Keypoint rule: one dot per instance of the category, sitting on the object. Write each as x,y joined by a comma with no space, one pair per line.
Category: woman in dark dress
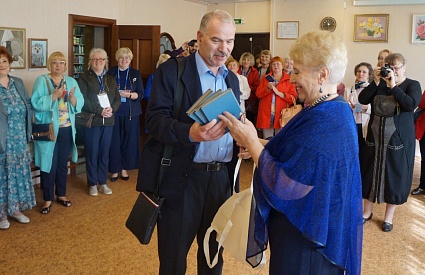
125,146
390,152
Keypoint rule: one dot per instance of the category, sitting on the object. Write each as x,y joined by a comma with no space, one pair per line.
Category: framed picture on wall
14,41
37,52
371,27
287,29
418,28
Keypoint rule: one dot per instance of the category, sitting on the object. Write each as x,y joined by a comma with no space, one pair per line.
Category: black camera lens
384,72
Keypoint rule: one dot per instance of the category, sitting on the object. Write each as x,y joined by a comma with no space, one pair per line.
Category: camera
384,70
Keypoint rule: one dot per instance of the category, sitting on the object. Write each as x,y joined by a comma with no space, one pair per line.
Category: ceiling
205,2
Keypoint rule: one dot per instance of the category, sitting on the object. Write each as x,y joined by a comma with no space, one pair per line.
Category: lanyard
126,78
100,78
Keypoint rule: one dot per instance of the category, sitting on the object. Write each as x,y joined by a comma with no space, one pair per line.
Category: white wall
49,19
309,13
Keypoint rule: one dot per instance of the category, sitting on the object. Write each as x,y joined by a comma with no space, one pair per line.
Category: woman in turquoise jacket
56,98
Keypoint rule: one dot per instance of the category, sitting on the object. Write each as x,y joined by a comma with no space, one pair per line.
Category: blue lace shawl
310,172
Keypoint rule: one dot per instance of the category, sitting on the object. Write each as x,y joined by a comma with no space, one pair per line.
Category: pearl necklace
319,100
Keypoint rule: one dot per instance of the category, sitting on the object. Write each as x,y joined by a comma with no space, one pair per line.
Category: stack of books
211,104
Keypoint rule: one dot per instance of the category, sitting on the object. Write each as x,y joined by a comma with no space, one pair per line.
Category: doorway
84,33
250,42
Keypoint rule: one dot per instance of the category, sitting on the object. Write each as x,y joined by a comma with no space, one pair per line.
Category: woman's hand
377,75
107,112
57,93
245,135
270,85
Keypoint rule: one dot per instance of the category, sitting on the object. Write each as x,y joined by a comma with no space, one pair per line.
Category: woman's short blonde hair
55,56
123,51
249,56
266,52
102,52
318,49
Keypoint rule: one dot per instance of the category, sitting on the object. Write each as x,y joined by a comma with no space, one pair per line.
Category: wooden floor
90,237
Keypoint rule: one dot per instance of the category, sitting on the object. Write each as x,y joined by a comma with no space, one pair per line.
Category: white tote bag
231,223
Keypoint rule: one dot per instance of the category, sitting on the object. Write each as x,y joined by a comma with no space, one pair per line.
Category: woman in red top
275,93
247,69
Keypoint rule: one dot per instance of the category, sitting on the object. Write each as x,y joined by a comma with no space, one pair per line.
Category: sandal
46,210
66,203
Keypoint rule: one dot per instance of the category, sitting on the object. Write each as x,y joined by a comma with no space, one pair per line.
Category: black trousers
184,218
59,168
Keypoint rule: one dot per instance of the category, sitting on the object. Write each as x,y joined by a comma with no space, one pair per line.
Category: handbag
142,219
43,131
231,223
84,119
289,112
147,208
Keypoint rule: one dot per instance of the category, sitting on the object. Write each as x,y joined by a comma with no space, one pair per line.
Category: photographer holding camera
390,138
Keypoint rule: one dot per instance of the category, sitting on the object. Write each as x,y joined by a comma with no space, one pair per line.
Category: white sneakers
93,191
4,224
102,188
105,189
21,219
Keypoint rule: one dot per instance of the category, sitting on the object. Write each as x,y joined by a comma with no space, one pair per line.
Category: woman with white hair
307,184
101,98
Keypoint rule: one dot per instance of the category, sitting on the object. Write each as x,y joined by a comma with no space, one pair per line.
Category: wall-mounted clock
328,24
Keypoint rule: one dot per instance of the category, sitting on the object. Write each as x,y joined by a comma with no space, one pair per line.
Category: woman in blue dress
16,188
125,146
307,187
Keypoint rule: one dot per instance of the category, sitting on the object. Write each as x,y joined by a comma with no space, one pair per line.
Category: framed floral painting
371,27
418,28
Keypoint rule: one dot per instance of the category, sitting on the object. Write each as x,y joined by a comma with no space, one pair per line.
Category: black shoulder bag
144,215
44,131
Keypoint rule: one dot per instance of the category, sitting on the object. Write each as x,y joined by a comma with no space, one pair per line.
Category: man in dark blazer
200,176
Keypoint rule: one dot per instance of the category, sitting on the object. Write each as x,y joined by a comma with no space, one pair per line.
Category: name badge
123,99
103,100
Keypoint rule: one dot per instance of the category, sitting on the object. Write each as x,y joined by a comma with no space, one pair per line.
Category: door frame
73,20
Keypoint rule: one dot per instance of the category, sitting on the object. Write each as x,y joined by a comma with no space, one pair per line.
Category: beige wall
49,19
309,13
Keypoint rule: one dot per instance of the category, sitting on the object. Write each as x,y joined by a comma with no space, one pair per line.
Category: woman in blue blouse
307,184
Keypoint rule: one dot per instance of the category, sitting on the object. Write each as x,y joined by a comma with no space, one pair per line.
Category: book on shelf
211,104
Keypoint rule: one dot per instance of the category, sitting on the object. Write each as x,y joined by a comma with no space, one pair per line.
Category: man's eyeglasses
124,58
397,68
98,59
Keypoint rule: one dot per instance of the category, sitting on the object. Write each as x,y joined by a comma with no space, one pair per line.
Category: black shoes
66,203
113,179
125,178
368,218
46,210
387,227
417,191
